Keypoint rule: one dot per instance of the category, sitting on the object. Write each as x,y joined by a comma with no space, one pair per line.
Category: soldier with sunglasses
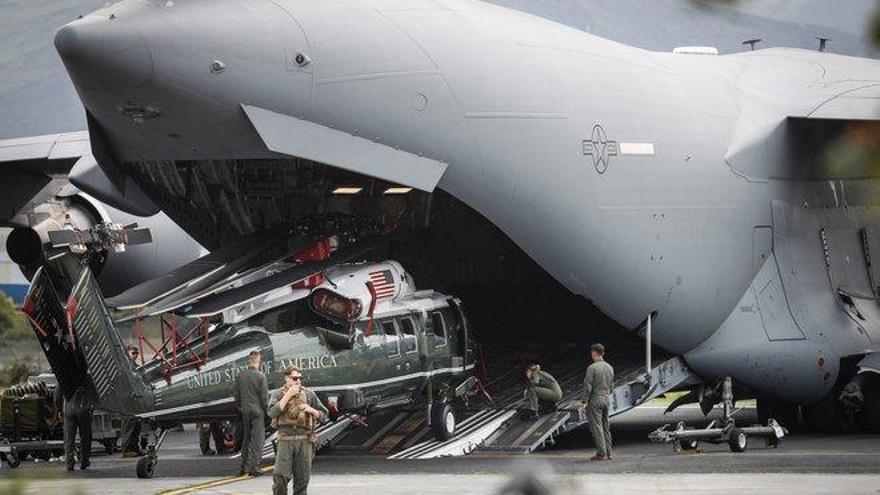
296,412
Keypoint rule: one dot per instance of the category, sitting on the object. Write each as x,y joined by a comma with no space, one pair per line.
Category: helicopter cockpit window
289,317
392,342
439,326
409,335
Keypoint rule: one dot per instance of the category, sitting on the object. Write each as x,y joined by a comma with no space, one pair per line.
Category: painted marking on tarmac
212,484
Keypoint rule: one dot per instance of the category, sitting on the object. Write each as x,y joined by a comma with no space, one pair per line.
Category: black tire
825,416
787,415
145,467
689,444
443,422
12,460
869,418
738,440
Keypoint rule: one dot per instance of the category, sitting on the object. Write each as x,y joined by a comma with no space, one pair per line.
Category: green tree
13,324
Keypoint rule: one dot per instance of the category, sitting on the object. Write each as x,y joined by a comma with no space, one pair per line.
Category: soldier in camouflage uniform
598,385
77,415
252,400
296,412
541,390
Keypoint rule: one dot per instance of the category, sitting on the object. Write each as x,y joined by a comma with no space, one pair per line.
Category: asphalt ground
809,463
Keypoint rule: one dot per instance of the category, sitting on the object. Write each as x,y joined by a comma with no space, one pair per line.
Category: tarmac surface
807,463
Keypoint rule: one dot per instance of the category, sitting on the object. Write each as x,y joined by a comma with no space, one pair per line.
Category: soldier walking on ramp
77,415
542,392
598,384
252,400
296,412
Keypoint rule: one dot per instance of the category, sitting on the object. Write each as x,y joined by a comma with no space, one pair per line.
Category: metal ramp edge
472,433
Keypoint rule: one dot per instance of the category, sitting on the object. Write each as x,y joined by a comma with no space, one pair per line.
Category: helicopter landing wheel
12,460
443,422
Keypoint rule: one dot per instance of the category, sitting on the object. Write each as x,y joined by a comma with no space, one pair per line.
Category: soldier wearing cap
252,400
296,412
598,384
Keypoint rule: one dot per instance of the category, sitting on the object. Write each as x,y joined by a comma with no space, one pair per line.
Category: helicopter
363,335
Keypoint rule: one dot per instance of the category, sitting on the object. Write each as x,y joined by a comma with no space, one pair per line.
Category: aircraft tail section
117,385
44,311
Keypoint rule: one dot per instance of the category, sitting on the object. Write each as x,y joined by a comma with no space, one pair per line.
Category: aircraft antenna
752,42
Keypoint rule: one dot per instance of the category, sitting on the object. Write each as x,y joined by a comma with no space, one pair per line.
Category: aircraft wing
34,168
222,301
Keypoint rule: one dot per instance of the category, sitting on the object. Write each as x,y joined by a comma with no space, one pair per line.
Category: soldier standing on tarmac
252,400
77,415
598,384
296,412
130,436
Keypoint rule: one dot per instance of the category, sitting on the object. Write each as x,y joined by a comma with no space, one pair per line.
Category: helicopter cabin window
392,342
439,326
409,335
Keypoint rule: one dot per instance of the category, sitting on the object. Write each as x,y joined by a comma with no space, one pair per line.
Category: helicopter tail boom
117,385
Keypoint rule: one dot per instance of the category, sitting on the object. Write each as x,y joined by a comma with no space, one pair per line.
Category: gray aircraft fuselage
643,181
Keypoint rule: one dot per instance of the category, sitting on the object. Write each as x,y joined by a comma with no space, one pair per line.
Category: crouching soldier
542,392
296,412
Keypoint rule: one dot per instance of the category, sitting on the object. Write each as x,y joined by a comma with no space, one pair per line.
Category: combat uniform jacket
251,392
598,382
291,422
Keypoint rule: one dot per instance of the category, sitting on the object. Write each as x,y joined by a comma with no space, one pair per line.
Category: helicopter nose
104,53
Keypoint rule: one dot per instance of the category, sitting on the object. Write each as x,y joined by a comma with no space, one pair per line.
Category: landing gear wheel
786,415
738,440
442,421
12,460
869,418
825,416
145,467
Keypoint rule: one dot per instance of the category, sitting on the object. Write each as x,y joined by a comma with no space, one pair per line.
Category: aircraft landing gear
737,438
146,465
870,417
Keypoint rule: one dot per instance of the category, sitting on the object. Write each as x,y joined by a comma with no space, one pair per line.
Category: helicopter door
392,340
409,343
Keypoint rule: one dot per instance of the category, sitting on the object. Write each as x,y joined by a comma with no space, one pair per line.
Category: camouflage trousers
82,422
597,413
253,438
293,461
537,395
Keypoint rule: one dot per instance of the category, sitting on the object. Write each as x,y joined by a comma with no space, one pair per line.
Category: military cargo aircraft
362,334
716,193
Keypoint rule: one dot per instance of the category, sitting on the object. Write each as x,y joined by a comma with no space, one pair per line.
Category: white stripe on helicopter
327,388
